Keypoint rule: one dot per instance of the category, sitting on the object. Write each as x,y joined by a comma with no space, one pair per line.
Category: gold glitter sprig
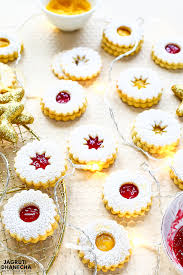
178,91
11,112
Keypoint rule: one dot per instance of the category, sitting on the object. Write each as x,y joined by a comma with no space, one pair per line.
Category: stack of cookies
78,64
120,37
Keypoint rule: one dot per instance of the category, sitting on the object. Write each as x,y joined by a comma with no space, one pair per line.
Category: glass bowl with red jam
172,232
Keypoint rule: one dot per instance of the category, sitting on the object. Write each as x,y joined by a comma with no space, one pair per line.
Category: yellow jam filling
124,31
4,42
69,7
159,129
105,242
140,83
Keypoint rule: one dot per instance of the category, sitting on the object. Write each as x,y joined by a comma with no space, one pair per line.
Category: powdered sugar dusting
114,256
161,53
81,62
14,44
77,98
112,35
80,151
126,83
27,230
145,122
116,201
51,172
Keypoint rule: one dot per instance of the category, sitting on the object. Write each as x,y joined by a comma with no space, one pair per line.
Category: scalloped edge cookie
158,150
117,231
117,52
37,177
167,60
140,205
143,97
10,52
115,44
70,110
66,64
17,199
95,160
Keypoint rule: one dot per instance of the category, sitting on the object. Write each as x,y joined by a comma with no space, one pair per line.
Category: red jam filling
63,97
129,191
94,143
172,48
178,245
29,213
40,161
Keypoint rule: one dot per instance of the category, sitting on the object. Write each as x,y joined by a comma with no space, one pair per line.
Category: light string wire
1,200
157,247
68,245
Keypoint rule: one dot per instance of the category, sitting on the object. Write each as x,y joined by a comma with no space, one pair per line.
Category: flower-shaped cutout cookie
77,64
40,163
139,87
92,146
156,132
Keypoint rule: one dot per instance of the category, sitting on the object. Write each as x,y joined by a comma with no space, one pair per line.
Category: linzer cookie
30,216
156,132
40,163
139,87
77,64
66,101
120,37
127,195
10,47
110,245
168,53
92,146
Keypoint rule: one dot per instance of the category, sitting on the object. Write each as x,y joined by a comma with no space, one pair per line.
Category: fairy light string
125,141
76,247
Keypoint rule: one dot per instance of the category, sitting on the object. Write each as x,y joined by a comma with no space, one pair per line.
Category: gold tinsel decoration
11,112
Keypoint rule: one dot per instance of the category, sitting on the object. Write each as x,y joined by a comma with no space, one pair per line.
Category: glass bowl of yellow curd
69,15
